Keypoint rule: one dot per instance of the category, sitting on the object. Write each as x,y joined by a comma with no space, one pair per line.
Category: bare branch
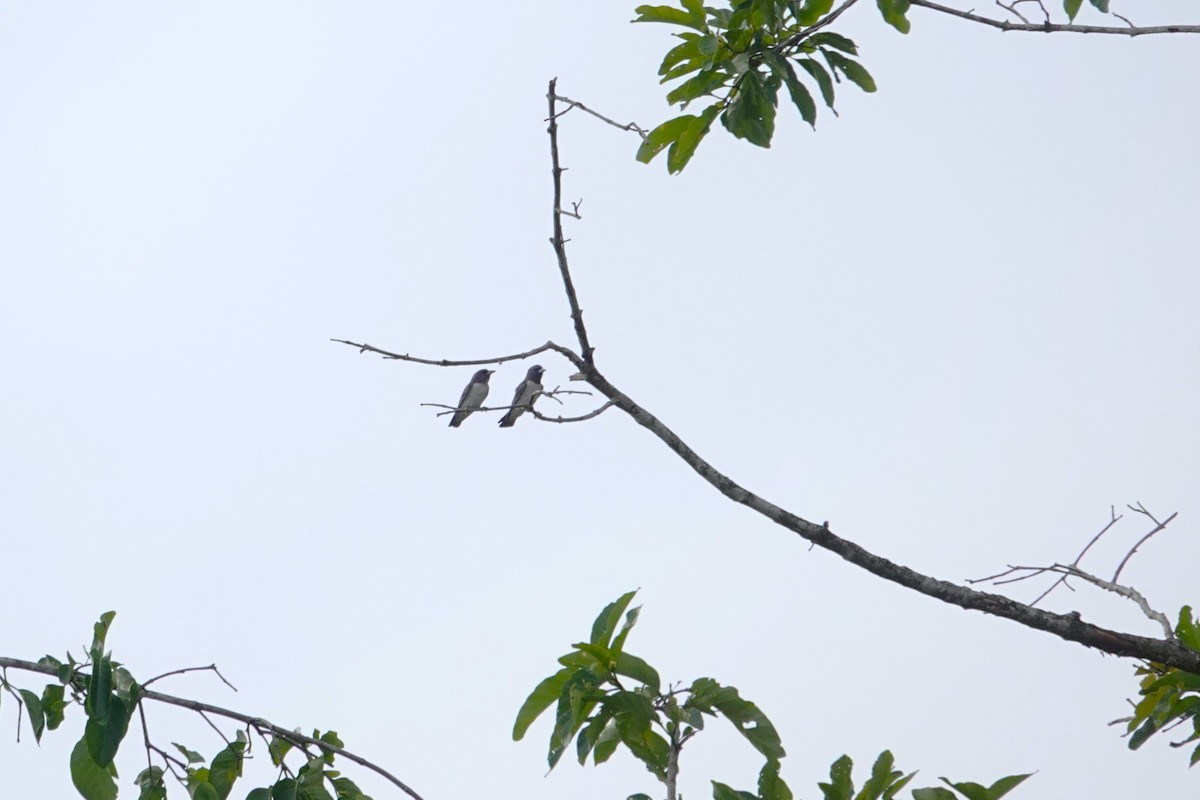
298,739
560,246
1158,526
565,352
212,667
589,415
1114,517
1049,27
1127,592
632,126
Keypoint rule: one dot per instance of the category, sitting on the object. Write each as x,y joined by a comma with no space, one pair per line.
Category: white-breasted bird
472,396
526,393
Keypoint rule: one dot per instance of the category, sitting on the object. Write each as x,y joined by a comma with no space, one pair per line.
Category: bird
472,396
524,397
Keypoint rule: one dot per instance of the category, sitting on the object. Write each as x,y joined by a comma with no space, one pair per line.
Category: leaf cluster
738,58
109,696
1169,696
606,698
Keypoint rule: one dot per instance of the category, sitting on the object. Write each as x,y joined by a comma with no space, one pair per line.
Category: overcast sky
959,322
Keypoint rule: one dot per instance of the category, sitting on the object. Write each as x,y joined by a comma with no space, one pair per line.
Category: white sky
959,322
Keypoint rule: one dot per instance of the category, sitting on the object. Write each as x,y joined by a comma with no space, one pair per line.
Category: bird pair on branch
477,391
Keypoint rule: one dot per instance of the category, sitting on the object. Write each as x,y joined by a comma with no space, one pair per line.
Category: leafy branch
606,698
110,695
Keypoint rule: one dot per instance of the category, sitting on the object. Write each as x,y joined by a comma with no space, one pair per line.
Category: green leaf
834,40
723,792
93,781
821,76
606,622
1187,630
684,148
203,791
104,737
1072,8
969,790
840,786
54,705
746,717
933,793
633,667
770,785
705,83
100,633
591,732
1006,785
618,644
607,743
894,13
285,789
812,10
330,738
99,690
688,50
639,796
672,16
538,701
33,707
150,781
226,768
658,139
261,793
1148,729
751,114
855,72
575,703
346,789
191,755
1101,5
801,97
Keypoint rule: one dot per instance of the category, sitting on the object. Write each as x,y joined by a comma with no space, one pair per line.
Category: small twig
795,39
632,126
1012,9
1113,519
212,667
1123,19
567,353
1158,526
587,416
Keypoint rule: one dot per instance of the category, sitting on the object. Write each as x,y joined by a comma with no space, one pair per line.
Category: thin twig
1048,27
589,415
797,38
1114,518
632,126
567,353
1158,526
210,667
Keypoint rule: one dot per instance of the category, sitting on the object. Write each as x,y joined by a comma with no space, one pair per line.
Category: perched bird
524,397
472,396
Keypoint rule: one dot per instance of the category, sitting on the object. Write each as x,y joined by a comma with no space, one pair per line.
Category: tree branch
1049,27
565,352
1066,626
298,739
557,241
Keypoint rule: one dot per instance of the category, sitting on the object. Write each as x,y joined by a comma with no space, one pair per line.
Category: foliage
605,697
1170,696
110,696
737,58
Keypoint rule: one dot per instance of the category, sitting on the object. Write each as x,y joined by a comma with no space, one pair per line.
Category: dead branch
1049,27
